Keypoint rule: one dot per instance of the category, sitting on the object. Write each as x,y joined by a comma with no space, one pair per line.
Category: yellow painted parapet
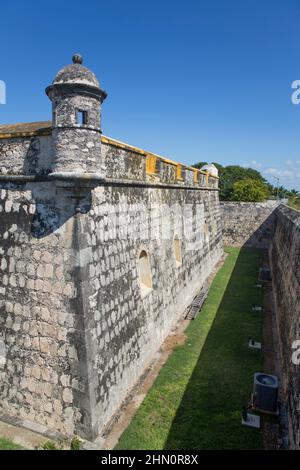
150,164
152,158
179,175
196,176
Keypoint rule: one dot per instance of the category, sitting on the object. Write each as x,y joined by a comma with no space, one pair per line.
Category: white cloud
292,163
278,172
288,173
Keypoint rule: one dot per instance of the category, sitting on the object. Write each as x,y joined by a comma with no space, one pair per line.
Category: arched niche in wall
144,271
206,232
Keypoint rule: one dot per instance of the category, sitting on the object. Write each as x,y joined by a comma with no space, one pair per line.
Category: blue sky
194,80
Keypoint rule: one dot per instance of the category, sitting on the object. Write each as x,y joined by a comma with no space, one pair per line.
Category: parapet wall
30,153
248,223
95,272
285,267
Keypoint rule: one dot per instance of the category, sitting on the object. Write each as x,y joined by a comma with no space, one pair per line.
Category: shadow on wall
37,161
248,224
209,415
262,236
53,205
51,215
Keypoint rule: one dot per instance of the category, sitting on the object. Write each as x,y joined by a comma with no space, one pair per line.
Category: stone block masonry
248,223
40,331
76,331
285,267
125,328
102,247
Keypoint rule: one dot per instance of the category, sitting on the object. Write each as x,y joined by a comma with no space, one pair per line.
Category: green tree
281,192
230,175
199,165
293,193
294,199
250,190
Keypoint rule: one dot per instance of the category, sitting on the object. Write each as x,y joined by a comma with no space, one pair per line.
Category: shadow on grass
209,414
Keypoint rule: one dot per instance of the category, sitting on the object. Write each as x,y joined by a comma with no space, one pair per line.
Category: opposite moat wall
248,223
77,330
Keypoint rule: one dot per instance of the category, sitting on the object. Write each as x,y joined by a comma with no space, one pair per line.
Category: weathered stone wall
285,267
248,223
43,361
103,246
34,155
76,330
125,329
120,163
26,155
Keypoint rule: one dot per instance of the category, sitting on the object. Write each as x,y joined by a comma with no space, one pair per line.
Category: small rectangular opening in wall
81,117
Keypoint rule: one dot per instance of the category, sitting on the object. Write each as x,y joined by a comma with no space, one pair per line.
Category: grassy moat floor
6,444
196,400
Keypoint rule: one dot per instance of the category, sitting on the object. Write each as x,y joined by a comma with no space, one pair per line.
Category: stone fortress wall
248,223
96,267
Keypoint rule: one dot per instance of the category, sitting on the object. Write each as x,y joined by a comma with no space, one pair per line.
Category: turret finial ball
77,59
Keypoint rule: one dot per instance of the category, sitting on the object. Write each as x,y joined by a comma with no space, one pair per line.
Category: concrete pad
253,421
254,345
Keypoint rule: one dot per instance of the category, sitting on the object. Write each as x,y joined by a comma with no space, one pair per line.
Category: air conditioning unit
265,392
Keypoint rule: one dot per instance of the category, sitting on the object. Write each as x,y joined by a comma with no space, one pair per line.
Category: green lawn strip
197,397
6,444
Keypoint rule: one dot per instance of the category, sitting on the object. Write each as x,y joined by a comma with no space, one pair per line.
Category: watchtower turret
76,120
